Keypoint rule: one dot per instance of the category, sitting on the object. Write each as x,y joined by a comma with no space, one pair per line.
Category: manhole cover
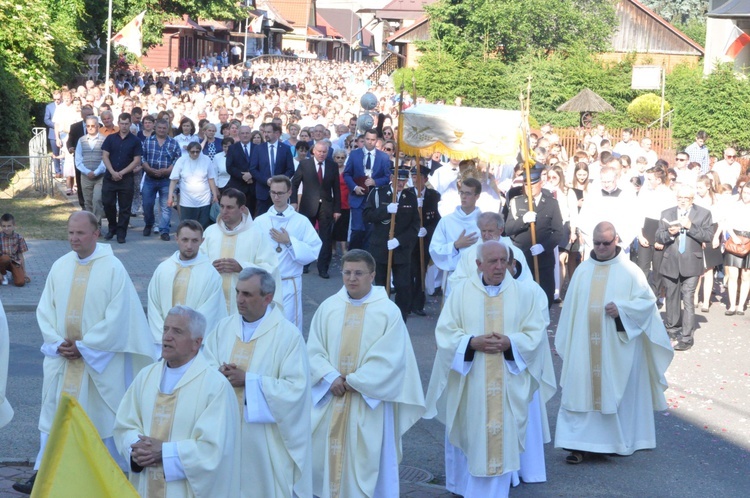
413,474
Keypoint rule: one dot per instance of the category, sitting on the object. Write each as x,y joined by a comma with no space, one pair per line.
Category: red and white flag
131,36
257,25
737,40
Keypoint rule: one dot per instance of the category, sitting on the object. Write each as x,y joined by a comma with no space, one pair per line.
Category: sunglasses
605,244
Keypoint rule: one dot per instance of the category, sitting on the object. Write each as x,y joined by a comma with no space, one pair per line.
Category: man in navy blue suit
262,157
366,168
238,167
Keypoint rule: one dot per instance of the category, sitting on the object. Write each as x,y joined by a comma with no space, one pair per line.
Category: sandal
575,457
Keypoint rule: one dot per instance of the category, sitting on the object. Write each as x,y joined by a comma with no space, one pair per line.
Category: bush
15,111
647,108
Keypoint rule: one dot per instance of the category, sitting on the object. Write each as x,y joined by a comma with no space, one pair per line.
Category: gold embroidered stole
351,336
242,355
494,386
228,245
180,284
161,429
596,310
73,322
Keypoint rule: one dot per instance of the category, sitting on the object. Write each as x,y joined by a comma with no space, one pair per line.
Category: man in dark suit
366,168
428,201
321,198
49,113
319,135
78,130
266,160
683,230
378,210
238,167
549,230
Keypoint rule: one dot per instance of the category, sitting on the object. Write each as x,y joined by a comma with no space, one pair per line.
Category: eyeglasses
92,126
605,244
357,273
463,193
684,198
728,156
278,194
194,151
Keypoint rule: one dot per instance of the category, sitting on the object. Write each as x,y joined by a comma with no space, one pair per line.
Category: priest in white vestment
491,226
615,351
186,278
234,243
366,387
296,242
264,357
482,384
178,423
456,231
6,411
96,336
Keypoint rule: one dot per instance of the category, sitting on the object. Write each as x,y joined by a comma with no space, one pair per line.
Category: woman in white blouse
197,180
187,134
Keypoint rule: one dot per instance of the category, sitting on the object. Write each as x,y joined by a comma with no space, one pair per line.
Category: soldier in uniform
428,200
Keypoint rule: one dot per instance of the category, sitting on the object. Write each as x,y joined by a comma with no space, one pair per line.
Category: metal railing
37,165
389,64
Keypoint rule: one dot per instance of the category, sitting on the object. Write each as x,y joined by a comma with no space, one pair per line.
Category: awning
213,39
240,34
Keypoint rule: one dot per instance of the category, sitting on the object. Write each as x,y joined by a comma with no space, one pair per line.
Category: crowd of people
270,174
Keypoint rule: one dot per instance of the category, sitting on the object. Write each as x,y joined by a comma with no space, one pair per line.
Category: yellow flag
76,462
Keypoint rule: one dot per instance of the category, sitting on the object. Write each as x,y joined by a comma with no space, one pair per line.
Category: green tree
510,28
680,11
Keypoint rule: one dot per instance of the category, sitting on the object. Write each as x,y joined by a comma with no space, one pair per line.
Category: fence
38,164
661,139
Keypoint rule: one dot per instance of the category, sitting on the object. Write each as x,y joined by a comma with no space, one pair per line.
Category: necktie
683,237
368,162
247,154
320,173
273,159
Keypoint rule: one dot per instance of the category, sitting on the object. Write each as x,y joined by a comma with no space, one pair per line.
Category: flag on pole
76,462
257,25
131,36
737,40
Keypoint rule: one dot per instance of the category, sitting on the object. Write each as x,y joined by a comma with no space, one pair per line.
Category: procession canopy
491,135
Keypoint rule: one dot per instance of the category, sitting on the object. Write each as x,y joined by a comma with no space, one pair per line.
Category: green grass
39,217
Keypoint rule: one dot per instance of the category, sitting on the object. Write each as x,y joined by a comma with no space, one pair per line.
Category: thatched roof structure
586,101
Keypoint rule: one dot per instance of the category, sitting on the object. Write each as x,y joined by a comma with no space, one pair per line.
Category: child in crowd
12,247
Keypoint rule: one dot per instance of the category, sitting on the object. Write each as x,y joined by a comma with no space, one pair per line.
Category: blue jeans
150,188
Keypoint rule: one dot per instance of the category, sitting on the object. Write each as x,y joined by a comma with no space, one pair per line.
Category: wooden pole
527,162
420,185
394,187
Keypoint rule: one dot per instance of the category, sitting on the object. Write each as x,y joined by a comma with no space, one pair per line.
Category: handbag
740,249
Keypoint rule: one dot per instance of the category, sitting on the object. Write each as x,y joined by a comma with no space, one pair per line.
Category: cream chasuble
275,451
194,283
6,411
105,317
200,417
605,369
249,247
381,365
492,394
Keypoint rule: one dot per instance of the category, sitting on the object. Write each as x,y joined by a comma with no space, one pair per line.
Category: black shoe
25,487
110,235
165,237
683,346
324,274
146,231
120,239
419,313
306,269
730,312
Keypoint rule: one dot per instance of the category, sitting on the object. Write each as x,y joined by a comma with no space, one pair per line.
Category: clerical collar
249,328
493,290
85,261
190,262
172,376
361,301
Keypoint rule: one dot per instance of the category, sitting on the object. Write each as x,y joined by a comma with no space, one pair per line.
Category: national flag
737,40
257,25
131,36
76,462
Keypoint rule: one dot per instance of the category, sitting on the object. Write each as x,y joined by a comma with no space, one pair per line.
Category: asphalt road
703,440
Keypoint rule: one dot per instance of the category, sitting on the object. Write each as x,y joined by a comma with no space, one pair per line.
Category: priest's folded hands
235,376
69,350
146,452
493,343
